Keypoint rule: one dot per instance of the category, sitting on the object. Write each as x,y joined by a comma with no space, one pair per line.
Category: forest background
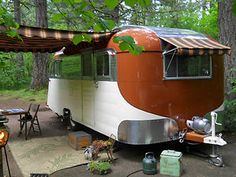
30,70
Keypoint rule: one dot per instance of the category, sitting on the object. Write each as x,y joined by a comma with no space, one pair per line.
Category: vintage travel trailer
146,98
160,95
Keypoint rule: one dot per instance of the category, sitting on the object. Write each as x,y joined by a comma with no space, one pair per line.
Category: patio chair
32,119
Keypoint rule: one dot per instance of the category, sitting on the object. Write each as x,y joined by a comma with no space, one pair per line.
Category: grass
25,94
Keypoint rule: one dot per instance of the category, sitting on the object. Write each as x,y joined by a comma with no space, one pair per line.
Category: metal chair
32,119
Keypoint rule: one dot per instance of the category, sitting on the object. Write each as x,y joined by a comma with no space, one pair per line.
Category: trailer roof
168,32
185,42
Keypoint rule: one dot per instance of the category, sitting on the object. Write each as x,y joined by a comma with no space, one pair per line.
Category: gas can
149,164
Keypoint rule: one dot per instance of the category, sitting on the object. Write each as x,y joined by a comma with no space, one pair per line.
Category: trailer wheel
72,125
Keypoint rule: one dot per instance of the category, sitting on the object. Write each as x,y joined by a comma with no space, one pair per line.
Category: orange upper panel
140,80
143,37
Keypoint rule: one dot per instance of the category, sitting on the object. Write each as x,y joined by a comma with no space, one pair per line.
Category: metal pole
213,133
1,164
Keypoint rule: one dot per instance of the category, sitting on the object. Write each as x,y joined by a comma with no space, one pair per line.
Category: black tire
74,126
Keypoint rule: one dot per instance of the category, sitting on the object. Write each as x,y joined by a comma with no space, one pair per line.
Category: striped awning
49,40
194,46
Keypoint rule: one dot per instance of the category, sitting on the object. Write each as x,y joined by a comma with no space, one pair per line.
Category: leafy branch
128,43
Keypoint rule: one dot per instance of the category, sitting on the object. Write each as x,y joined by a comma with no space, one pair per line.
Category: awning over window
49,40
193,46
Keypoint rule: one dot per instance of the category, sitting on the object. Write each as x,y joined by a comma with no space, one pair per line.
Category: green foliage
9,70
234,7
128,43
201,17
7,20
142,3
100,167
81,37
26,94
100,16
229,121
111,4
229,114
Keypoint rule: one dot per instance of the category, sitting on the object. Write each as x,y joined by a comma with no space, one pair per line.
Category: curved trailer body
141,99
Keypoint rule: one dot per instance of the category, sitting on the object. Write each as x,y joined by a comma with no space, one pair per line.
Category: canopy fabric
194,46
49,40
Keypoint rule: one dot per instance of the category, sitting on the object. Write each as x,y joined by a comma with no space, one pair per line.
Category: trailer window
55,69
187,67
71,67
103,65
87,64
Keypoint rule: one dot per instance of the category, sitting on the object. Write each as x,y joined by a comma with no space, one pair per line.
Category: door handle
96,84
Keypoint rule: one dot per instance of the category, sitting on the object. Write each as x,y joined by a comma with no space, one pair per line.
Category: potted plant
101,168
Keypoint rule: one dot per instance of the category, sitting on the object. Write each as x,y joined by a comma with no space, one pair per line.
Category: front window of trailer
187,67
55,69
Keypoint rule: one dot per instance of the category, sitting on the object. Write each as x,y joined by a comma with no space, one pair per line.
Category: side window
71,67
87,64
102,65
187,67
55,69
105,65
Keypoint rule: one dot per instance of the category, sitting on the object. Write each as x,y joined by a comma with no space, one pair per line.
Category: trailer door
88,89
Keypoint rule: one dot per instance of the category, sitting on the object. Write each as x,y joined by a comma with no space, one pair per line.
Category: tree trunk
40,70
19,56
40,60
227,25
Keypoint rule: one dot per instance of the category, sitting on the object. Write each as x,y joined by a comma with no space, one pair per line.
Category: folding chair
35,121
32,119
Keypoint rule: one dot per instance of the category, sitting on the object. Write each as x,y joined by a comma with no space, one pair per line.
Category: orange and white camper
141,99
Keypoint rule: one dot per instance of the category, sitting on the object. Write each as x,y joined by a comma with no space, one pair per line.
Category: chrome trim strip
147,131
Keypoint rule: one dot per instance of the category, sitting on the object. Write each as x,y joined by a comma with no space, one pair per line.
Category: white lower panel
102,108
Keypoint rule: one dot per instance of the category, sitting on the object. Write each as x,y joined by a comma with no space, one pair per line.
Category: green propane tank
149,164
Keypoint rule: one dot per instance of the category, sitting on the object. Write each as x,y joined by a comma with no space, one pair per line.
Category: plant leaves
234,7
125,38
128,43
57,17
77,39
77,1
81,37
111,4
110,24
144,3
97,27
130,3
124,46
87,37
57,1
